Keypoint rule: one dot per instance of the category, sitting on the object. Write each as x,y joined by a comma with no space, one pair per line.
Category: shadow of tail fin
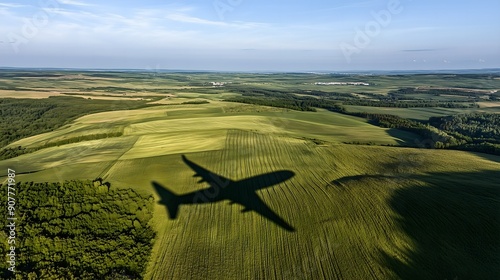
169,199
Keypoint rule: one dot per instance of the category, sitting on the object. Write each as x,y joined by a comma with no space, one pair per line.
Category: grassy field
348,205
362,211
178,129
358,211
422,114
219,116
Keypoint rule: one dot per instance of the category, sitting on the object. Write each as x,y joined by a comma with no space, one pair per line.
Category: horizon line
148,70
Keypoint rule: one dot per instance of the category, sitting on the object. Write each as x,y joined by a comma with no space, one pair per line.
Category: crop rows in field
333,232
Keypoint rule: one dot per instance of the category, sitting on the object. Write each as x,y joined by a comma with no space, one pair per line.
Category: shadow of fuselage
241,192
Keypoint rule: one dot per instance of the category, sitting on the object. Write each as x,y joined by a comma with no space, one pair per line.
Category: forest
470,94
414,104
481,132
80,230
314,98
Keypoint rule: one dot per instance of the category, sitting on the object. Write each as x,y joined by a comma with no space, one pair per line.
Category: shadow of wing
168,198
256,204
206,175
266,180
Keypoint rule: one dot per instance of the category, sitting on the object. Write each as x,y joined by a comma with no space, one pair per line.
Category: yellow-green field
359,212
424,114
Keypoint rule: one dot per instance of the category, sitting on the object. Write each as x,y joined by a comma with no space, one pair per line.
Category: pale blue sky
257,35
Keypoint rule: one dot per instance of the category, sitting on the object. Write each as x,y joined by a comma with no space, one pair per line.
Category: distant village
218,84
342,84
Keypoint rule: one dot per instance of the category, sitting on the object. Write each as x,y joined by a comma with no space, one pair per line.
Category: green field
375,210
421,114
169,130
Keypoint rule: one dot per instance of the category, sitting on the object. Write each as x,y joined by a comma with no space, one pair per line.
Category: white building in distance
341,84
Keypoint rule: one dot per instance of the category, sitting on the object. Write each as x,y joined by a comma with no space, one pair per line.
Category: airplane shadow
241,192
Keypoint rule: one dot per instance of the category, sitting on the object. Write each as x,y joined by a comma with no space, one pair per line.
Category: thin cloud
77,15
180,17
100,29
189,19
422,50
89,19
74,3
360,4
12,5
407,31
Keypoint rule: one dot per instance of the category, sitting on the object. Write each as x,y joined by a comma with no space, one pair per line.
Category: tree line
411,104
21,118
471,94
290,100
479,131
